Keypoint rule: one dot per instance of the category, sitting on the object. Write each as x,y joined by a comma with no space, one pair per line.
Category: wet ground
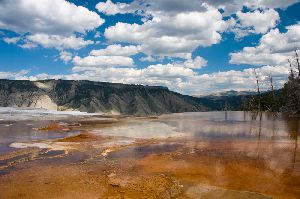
188,155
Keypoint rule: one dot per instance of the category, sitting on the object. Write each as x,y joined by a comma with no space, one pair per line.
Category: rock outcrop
91,96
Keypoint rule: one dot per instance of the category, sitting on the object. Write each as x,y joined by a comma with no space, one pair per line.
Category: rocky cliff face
95,97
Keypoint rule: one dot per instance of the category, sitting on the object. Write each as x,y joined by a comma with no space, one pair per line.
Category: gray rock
93,97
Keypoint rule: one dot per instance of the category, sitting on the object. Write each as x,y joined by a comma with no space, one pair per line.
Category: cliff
91,96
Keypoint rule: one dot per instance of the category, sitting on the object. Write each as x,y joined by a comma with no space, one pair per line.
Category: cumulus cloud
255,22
169,29
157,74
171,36
65,56
28,45
43,16
177,78
117,50
170,75
109,8
12,40
257,56
149,58
174,28
275,48
173,7
50,24
58,42
255,4
236,80
97,35
49,41
112,56
88,62
13,75
196,63
260,21
167,71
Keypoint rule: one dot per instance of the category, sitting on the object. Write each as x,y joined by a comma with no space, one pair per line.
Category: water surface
246,155
210,125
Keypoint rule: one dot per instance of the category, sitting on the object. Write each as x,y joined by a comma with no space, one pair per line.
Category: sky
194,47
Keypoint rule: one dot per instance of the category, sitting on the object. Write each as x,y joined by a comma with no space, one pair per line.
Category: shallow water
234,125
20,124
143,151
214,154
210,125
26,131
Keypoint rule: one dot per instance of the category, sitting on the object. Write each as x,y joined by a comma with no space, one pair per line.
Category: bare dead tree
274,104
258,90
272,85
226,109
291,68
297,62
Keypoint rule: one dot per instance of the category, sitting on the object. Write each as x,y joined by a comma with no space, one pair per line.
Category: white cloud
97,35
170,75
256,22
177,78
168,71
150,7
50,24
184,80
261,21
254,4
109,8
236,80
275,48
28,45
65,56
172,36
112,56
257,56
148,59
101,62
170,28
174,28
196,63
57,41
116,50
44,16
282,42
13,75
12,40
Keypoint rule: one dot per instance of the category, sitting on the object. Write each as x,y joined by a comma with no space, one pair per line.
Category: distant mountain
91,96
228,93
229,100
233,93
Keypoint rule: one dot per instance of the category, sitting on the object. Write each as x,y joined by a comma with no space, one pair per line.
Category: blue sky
196,47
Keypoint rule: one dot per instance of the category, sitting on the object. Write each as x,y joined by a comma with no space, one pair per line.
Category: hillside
95,97
230,100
